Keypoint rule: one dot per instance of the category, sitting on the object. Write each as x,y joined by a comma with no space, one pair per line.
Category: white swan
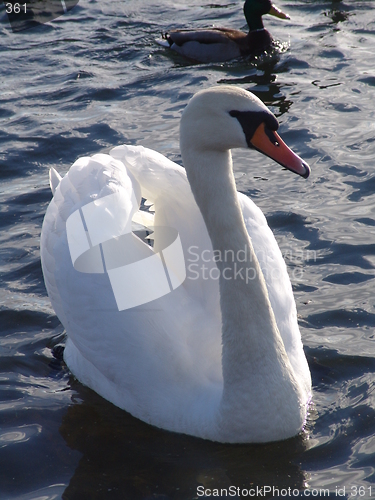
220,355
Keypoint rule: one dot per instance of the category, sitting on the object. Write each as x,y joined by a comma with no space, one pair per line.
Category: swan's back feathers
54,179
88,179
278,285
134,340
163,367
165,184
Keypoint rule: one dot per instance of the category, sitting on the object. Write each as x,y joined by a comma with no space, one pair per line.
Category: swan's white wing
278,285
54,179
161,360
165,184
157,359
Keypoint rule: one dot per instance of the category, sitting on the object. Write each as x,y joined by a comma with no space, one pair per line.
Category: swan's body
220,356
224,44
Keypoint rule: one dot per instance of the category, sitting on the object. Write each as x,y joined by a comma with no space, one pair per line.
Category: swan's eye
271,136
251,120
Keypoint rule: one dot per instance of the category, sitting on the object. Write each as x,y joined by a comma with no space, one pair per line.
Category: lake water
95,78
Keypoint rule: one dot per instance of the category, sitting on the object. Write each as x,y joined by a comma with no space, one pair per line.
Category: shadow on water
126,458
122,457
339,11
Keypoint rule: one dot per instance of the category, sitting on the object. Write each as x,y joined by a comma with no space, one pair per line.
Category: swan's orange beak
275,11
270,143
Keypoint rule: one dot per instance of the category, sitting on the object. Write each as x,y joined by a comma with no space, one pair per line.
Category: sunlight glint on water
94,79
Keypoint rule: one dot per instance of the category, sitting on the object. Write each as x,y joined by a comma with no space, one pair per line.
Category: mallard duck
224,44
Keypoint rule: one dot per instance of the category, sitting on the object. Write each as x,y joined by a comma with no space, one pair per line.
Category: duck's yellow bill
275,11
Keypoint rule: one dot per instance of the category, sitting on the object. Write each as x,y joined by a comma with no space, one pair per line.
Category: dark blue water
94,79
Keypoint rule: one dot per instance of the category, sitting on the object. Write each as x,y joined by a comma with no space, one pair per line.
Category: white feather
162,361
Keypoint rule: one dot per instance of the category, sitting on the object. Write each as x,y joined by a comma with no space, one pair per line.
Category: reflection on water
339,12
94,79
120,453
19,434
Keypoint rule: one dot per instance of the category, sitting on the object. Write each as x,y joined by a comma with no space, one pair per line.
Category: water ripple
94,79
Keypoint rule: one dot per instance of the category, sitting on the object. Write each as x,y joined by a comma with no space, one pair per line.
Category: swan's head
224,118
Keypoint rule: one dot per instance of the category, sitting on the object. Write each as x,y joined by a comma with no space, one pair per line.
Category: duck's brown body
218,44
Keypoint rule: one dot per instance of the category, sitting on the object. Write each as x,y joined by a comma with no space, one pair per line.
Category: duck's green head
255,9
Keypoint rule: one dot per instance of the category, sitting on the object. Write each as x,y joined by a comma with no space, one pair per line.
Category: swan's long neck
252,345
246,309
